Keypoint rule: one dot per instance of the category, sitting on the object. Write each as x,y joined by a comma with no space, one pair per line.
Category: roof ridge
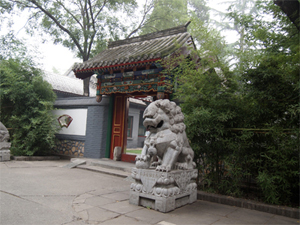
158,34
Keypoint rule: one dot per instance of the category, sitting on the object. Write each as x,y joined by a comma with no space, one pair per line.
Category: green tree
273,89
26,102
80,25
239,13
244,126
207,95
165,14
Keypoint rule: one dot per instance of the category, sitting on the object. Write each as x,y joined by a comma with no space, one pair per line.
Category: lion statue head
164,114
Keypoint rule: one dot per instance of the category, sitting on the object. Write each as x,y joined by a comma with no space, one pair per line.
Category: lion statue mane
167,140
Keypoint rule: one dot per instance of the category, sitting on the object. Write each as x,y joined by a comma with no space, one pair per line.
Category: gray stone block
4,155
117,153
163,191
4,144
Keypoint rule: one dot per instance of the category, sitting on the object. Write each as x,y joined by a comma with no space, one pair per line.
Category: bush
26,104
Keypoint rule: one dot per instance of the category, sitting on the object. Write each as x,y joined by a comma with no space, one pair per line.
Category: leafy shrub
26,104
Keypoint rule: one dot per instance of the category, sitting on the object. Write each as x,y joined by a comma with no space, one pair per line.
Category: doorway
128,131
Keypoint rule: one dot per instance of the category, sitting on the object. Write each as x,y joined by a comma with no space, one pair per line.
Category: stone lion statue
167,139
4,134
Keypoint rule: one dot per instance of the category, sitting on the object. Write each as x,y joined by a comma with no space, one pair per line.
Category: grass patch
134,151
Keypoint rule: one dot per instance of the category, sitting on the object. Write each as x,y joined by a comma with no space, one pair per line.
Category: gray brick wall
95,141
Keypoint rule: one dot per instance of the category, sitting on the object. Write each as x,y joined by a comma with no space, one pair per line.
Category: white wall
78,125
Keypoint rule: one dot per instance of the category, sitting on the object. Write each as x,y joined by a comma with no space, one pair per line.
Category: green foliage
166,14
244,125
83,26
11,48
78,24
26,104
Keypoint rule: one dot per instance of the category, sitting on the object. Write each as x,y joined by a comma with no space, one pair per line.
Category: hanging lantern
160,95
98,98
160,92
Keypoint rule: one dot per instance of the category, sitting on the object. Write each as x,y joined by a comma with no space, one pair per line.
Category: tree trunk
86,81
291,9
86,86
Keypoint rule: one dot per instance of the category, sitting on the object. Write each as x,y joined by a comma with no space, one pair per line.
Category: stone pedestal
163,191
4,151
117,153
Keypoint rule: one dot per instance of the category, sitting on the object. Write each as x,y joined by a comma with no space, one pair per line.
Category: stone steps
110,171
108,166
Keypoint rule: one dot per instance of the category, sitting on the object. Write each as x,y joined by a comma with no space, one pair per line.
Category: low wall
86,135
69,148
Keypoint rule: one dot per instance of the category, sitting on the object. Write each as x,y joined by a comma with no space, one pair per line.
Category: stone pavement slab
99,215
148,216
60,203
121,207
98,201
44,192
208,207
201,218
124,220
282,220
15,210
247,215
118,196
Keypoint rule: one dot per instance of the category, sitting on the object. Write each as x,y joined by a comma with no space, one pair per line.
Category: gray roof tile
147,47
67,84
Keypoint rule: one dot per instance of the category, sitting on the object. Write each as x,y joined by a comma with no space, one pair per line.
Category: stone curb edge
249,204
35,158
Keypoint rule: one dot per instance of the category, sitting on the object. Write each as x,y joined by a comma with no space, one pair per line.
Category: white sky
61,58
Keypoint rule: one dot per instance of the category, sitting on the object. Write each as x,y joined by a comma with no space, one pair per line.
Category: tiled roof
148,47
66,84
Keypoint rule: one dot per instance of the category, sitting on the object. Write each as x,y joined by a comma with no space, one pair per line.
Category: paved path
44,192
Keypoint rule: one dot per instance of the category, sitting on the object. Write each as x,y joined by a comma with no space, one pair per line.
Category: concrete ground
46,192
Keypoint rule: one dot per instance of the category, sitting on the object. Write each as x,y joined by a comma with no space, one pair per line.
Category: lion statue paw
142,161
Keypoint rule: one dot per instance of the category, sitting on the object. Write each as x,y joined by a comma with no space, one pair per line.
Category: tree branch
146,11
291,9
24,5
93,24
87,25
58,24
97,14
27,21
92,15
68,11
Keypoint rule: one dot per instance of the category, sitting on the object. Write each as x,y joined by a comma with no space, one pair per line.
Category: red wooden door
118,125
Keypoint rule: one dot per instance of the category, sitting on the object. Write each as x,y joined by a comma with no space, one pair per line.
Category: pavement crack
5,192
17,196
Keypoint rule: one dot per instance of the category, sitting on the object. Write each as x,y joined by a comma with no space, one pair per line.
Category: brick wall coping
80,102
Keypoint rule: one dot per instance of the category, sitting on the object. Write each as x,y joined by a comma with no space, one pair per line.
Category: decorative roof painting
132,65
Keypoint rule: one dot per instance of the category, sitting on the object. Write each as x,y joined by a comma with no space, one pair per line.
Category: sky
58,59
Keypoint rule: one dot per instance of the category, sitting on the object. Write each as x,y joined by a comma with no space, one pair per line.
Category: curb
35,158
249,204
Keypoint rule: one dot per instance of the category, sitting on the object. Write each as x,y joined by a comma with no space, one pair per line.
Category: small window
130,124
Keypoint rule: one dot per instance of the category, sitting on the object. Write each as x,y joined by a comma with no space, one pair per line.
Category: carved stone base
163,191
4,155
